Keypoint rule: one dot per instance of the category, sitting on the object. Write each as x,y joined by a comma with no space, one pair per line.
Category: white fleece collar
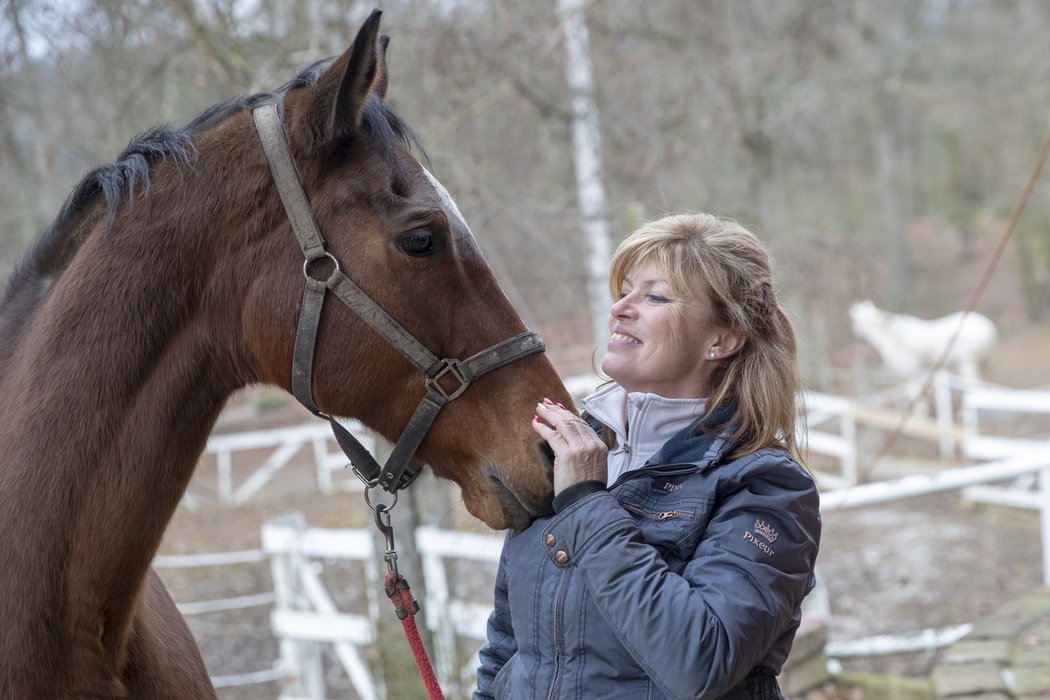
641,422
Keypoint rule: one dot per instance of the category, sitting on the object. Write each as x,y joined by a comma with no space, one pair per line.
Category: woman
684,531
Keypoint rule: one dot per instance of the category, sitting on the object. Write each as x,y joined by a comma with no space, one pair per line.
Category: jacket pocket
671,522
642,512
501,683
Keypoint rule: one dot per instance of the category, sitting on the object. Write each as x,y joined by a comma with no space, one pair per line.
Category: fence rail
959,426
833,429
283,446
953,479
205,607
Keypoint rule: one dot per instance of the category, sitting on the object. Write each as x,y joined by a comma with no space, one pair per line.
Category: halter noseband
400,469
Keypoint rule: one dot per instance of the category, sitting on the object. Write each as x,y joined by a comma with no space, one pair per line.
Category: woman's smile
621,337
660,338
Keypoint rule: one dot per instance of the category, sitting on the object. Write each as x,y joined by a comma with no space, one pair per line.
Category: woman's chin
614,368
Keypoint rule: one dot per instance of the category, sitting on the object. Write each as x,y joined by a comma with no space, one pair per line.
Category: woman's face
661,342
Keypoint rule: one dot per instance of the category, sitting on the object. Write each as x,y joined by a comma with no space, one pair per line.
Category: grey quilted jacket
682,580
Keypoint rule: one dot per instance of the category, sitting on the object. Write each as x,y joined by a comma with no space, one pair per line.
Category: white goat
909,345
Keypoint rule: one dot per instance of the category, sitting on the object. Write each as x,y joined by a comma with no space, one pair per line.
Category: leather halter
400,469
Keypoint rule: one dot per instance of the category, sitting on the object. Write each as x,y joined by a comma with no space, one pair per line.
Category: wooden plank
915,426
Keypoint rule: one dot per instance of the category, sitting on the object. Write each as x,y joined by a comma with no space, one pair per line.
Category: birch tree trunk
587,160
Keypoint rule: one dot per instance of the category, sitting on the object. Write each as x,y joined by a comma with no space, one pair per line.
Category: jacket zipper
654,515
665,470
559,605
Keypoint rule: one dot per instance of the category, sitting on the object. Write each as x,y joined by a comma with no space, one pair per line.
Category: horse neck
108,402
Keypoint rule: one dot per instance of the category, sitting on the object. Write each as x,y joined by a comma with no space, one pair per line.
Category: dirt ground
928,562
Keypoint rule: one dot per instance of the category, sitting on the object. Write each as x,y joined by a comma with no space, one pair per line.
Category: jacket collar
699,443
704,443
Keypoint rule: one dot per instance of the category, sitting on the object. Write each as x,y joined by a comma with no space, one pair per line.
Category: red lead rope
406,608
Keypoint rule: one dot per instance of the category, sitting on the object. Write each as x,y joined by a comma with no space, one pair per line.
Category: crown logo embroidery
766,530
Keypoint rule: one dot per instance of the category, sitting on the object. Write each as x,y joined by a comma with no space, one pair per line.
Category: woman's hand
579,454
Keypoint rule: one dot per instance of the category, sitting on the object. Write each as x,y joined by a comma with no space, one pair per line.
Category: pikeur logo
766,531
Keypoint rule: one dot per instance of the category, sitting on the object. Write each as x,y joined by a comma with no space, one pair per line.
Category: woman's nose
622,307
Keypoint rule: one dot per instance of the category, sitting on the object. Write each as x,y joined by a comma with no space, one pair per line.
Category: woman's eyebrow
649,281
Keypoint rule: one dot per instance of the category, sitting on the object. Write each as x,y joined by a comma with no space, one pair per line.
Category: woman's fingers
579,454
542,429
566,424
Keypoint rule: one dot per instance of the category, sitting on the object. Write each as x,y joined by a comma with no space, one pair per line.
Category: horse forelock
388,128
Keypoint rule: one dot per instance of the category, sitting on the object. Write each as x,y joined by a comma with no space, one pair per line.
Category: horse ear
344,89
381,77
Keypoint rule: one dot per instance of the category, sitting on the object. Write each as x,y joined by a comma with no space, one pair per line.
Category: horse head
393,229
863,315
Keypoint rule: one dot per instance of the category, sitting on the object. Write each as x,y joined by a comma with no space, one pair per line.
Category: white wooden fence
447,615
305,616
284,445
241,602
307,621
959,426
1018,476
834,428
1035,463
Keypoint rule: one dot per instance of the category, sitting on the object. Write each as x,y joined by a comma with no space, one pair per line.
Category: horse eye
418,243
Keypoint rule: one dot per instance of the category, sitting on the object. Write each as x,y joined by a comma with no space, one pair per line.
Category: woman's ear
726,344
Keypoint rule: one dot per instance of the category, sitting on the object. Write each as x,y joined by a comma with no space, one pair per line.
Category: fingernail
560,406
548,402
536,419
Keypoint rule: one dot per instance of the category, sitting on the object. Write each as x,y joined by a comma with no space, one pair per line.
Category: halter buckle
307,263
450,366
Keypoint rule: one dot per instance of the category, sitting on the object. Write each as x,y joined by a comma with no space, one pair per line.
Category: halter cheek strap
444,378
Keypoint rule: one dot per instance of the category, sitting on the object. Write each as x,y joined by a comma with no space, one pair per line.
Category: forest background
877,147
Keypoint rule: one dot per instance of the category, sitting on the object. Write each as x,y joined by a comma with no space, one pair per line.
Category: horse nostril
515,508
546,455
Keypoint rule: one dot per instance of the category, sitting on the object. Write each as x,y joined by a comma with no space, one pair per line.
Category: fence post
942,397
438,618
321,471
300,660
1044,519
224,464
850,459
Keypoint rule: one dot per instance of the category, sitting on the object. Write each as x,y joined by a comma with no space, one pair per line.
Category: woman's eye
657,298
418,244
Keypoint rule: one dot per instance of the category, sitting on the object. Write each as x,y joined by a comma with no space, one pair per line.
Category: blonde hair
708,256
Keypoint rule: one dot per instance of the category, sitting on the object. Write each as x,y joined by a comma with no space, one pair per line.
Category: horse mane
103,190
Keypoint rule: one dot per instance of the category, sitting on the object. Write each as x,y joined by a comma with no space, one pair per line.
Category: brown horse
170,279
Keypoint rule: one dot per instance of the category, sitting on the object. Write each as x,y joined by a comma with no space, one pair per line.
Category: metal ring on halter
374,506
306,266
